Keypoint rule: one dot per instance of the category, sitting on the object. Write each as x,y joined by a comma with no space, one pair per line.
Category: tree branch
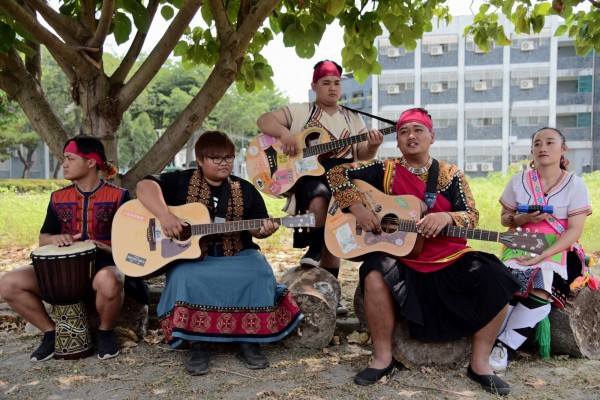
25,89
106,17
219,13
232,52
37,30
65,27
159,54
119,76
595,3
88,11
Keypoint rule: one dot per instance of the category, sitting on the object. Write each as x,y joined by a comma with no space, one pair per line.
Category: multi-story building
486,106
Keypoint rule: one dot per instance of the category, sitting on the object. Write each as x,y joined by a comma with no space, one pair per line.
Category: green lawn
22,215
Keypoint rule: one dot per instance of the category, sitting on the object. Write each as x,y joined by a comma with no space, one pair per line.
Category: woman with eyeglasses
230,295
545,278
312,193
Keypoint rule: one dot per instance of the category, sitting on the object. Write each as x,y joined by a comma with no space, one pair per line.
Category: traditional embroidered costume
231,295
72,211
341,125
569,197
449,290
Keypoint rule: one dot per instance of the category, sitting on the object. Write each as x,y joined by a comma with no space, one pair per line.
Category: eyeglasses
218,160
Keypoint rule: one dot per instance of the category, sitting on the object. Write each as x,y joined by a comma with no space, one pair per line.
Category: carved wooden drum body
65,277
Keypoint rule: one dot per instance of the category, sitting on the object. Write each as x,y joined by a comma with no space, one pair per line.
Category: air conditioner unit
526,84
393,52
436,50
471,167
527,46
480,86
487,167
393,89
436,88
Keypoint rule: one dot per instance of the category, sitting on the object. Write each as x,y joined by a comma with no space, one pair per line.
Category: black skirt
306,189
448,304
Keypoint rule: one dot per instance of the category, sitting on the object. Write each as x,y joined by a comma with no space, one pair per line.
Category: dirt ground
148,370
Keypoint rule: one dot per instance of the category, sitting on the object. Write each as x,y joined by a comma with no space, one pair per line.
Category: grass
22,215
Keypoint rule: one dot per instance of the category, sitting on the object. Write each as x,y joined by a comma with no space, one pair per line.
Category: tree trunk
575,329
317,293
414,354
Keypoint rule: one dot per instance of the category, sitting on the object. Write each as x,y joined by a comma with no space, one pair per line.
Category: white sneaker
499,358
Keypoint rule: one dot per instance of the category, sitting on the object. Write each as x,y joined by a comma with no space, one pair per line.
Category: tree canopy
229,41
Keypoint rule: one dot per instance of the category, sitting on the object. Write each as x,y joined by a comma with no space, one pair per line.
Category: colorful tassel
542,336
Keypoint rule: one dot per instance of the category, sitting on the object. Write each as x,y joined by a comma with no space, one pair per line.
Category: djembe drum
65,277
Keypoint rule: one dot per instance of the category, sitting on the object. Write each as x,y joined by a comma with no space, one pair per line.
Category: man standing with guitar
229,295
311,193
448,290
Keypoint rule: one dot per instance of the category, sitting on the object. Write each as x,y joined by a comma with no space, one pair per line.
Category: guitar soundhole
312,139
186,233
389,223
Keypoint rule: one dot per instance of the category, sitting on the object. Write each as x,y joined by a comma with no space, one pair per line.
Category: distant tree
136,138
16,137
229,42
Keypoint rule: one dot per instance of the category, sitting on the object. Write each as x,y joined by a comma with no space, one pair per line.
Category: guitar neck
455,231
229,226
338,144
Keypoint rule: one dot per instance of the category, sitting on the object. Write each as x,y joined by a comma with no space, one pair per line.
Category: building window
584,120
584,84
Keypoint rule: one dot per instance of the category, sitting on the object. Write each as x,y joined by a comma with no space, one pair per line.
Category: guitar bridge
151,234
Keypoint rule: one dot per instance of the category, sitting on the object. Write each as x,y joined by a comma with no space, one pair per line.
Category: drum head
53,250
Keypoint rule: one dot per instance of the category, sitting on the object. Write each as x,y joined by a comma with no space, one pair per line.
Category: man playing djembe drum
80,212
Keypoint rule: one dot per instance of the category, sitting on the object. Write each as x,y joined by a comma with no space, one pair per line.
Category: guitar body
138,245
398,216
345,239
275,173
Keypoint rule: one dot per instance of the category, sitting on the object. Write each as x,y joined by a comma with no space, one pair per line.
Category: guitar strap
431,189
387,121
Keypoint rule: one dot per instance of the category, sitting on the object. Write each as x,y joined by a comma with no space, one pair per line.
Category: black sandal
370,376
490,383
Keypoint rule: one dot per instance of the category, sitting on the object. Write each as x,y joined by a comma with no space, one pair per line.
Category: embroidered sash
438,252
314,120
199,191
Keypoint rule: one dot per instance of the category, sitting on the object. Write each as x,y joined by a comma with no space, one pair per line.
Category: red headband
415,115
72,148
327,68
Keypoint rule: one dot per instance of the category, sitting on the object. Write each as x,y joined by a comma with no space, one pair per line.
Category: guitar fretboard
406,225
338,144
235,226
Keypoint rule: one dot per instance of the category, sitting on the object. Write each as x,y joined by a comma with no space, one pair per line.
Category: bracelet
511,221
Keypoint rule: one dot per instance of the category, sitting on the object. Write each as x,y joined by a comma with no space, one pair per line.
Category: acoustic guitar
141,250
398,216
275,174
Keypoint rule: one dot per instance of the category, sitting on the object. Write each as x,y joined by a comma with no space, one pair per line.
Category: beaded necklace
416,171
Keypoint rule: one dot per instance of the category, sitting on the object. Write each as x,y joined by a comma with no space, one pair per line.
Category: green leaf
334,7
561,30
206,13
537,23
167,12
121,27
8,36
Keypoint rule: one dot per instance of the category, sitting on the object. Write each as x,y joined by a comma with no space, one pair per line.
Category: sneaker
108,346
499,358
199,360
46,350
251,356
312,257
341,310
